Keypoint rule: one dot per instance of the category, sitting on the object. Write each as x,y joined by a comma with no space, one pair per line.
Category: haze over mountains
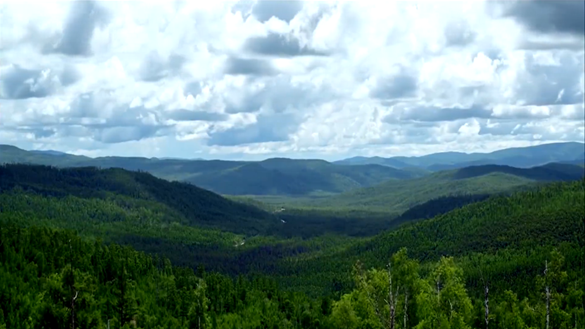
277,176
290,177
521,157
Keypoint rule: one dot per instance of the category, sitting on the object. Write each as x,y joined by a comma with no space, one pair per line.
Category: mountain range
276,176
312,178
521,157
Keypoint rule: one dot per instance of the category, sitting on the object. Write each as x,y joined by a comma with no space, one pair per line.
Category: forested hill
178,202
514,233
550,214
548,172
487,179
280,176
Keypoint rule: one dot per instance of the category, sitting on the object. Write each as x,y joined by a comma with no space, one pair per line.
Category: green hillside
549,215
517,232
548,172
400,196
276,176
178,202
440,205
489,179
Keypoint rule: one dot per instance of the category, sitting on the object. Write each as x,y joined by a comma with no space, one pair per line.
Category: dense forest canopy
69,240
54,279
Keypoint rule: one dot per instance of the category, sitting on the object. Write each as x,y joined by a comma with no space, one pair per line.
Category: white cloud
250,79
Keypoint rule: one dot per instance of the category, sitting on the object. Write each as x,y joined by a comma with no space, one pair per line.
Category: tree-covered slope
547,215
516,232
440,205
488,179
548,172
295,178
360,160
176,202
401,195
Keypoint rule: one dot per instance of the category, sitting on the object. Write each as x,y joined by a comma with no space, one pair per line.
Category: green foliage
428,196
54,279
139,210
294,177
547,215
443,300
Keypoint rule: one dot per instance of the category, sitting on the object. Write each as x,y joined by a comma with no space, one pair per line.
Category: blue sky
303,79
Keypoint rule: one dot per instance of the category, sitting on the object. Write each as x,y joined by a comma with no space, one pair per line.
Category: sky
301,79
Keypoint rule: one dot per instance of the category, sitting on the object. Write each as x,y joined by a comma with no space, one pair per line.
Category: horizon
248,80
291,158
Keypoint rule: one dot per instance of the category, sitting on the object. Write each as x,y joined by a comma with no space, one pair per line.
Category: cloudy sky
257,79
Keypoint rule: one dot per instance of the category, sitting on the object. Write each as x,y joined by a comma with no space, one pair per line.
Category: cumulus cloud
284,10
21,83
255,78
275,44
243,66
435,114
396,86
562,16
78,29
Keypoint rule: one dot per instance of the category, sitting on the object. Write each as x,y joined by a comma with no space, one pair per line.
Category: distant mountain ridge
521,157
50,152
313,177
548,172
275,176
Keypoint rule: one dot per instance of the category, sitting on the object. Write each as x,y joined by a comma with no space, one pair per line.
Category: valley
140,246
